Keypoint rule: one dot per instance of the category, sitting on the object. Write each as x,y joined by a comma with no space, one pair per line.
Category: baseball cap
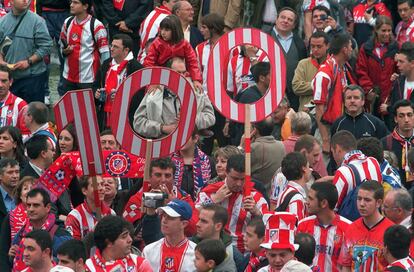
178,208
60,268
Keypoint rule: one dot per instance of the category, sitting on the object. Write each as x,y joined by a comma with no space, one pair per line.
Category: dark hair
87,2
39,191
409,2
5,162
214,23
42,238
397,239
35,145
371,147
373,186
307,246
258,225
106,132
18,139
264,127
306,142
326,190
354,87
4,68
407,49
109,229
220,213
260,69
320,34
338,42
163,163
17,193
39,112
84,182
73,249
402,103
212,249
321,8
345,139
173,23
127,41
236,163
292,165
72,131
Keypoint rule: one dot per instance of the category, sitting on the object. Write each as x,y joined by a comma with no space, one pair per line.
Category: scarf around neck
119,265
406,144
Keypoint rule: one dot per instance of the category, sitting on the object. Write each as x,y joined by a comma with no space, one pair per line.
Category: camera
323,17
154,200
102,95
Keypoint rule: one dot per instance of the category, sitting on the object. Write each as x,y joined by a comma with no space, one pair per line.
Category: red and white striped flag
78,107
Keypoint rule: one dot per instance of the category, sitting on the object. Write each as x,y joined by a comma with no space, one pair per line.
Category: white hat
295,266
60,268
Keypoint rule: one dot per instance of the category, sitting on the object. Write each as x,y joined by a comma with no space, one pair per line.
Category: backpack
283,206
92,25
349,208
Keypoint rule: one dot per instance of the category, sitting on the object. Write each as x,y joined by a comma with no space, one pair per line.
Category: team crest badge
75,37
9,113
274,235
118,163
169,262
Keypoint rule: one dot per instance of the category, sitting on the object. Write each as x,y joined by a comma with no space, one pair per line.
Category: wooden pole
247,131
148,157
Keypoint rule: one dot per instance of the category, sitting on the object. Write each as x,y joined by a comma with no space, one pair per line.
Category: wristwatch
29,61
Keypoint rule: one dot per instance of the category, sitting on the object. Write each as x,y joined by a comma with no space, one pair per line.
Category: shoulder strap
356,174
283,206
92,26
69,21
18,24
53,231
46,133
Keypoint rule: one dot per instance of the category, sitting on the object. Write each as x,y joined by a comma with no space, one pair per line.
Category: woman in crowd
67,140
11,145
18,215
221,156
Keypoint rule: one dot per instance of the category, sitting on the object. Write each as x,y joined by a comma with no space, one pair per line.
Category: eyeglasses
388,208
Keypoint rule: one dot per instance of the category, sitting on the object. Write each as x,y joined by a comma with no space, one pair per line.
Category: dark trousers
208,143
70,86
30,88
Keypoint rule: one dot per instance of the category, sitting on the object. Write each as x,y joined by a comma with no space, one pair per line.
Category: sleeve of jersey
297,206
382,10
101,37
203,199
345,257
73,227
320,85
145,266
342,186
261,203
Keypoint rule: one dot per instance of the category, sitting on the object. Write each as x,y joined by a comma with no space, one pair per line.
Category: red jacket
374,71
161,51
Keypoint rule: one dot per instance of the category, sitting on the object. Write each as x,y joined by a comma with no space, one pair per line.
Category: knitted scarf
255,261
18,217
353,155
120,265
18,264
406,144
201,169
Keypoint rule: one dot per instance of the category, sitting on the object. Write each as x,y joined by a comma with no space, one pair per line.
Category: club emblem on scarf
118,163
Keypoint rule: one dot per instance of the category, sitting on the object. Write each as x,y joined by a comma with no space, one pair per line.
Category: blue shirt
7,199
285,42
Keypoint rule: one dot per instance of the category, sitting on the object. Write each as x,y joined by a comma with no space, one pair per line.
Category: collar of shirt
187,33
406,222
45,126
37,169
285,42
299,188
8,200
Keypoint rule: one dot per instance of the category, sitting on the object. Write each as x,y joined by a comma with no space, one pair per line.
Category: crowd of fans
330,184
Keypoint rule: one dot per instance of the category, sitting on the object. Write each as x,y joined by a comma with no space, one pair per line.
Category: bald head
397,205
184,10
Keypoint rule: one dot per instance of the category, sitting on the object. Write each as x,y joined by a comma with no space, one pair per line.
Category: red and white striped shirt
150,27
344,179
81,220
203,53
328,239
404,32
83,63
11,113
238,217
297,204
239,76
406,263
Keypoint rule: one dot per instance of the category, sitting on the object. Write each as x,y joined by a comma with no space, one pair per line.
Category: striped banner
175,82
217,68
78,107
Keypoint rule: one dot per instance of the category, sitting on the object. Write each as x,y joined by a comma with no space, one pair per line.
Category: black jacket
397,92
195,37
363,125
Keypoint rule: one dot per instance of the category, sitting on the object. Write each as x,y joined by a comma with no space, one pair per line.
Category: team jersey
81,220
164,257
406,263
11,113
239,76
344,179
330,73
150,27
308,5
328,239
83,63
362,249
47,130
297,204
404,32
238,217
